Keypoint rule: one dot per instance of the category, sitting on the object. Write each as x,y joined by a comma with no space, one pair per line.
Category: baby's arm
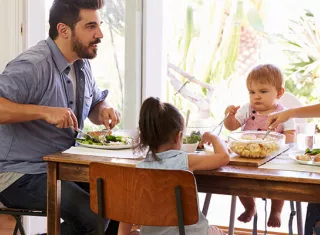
231,123
218,158
124,228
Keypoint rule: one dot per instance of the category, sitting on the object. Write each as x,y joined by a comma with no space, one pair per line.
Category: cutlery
220,123
266,134
95,139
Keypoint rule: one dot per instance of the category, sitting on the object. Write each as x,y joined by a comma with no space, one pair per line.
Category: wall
6,24
13,15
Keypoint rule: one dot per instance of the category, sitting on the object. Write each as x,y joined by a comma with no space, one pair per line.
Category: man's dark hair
67,12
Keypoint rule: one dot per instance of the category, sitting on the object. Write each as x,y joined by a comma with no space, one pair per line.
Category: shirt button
71,102
68,81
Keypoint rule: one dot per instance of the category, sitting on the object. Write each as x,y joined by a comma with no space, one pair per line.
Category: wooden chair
143,196
17,214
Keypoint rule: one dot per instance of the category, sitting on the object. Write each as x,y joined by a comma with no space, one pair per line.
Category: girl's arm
290,136
124,228
302,112
218,158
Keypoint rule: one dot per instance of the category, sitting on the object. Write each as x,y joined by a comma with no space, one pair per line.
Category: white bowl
189,148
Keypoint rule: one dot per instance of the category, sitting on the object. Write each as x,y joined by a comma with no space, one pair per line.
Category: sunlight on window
212,45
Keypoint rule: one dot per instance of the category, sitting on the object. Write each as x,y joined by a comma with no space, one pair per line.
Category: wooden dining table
230,180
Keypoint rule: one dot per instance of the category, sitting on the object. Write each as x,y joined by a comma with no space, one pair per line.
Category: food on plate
194,137
102,138
250,144
316,158
305,157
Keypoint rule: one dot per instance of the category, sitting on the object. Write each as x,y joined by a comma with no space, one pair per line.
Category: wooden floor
7,224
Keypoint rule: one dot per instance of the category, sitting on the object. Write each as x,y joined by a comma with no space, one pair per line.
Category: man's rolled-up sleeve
98,95
19,83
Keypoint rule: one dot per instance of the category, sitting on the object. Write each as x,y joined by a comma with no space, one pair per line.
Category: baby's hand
231,110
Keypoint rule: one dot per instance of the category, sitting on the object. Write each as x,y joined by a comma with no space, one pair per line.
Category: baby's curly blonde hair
266,74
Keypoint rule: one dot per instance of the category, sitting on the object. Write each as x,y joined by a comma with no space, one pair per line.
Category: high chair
289,101
143,196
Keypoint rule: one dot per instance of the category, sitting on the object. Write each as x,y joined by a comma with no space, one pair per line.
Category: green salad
194,137
312,152
105,140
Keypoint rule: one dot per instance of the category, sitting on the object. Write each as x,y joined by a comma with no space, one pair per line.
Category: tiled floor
219,212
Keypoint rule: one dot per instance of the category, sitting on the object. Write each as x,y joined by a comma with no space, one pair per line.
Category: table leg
53,199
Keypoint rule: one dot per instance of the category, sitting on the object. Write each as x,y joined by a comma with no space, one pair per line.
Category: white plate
316,163
293,156
112,147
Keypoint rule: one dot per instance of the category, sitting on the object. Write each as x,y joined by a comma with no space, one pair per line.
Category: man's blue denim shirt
39,76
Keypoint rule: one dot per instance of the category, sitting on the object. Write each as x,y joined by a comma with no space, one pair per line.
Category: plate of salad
105,140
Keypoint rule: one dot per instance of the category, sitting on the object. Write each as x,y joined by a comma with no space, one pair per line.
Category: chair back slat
143,196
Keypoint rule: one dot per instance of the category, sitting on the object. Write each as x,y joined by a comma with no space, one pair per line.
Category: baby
265,86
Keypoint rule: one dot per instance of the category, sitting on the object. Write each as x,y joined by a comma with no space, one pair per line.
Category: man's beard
83,51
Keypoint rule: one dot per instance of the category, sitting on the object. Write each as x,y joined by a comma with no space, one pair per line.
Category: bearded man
46,93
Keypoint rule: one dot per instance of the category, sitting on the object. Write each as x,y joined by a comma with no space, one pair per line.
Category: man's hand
60,117
231,110
109,117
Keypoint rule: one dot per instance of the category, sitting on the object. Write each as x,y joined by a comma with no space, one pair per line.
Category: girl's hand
232,110
274,120
207,138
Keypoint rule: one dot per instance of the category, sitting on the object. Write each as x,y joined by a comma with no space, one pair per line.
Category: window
110,64
211,45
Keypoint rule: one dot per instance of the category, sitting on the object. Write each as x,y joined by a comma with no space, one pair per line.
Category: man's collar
59,59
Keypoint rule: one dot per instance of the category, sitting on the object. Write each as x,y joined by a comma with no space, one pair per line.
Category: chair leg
255,225
179,210
265,216
232,214
15,232
100,206
299,218
292,214
206,204
19,225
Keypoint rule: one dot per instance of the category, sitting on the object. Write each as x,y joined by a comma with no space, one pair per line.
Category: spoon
220,123
266,134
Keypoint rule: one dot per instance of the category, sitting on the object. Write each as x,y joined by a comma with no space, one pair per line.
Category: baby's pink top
259,121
